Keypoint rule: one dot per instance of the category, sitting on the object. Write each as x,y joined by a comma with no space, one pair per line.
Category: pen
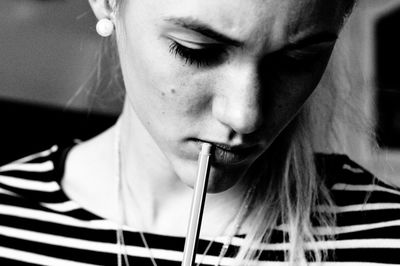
196,210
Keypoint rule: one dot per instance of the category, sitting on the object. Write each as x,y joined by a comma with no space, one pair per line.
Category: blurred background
47,52
48,49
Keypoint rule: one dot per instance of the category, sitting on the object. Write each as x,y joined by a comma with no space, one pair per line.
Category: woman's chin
219,179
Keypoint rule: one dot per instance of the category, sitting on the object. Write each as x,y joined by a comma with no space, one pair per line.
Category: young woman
236,74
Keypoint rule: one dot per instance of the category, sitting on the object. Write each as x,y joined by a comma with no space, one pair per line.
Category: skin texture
246,97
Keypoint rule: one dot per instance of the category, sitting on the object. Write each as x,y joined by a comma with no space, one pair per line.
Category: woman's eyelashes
295,60
207,55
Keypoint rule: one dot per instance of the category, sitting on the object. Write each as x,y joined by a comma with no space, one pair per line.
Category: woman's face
232,73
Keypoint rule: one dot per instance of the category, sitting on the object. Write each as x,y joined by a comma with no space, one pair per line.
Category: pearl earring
105,27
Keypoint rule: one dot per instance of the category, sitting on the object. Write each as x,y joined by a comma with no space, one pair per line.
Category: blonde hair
289,190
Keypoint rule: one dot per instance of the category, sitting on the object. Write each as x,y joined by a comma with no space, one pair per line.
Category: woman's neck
154,197
153,189
145,168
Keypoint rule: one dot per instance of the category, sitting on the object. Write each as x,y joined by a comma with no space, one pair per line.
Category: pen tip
206,148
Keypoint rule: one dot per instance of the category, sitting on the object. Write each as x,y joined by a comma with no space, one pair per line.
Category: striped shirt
40,225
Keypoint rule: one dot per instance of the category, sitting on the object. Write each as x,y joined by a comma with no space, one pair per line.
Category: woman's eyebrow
202,28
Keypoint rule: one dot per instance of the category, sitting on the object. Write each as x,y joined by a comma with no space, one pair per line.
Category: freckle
162,93
173,91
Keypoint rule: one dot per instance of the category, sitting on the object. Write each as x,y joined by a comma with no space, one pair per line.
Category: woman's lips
222,154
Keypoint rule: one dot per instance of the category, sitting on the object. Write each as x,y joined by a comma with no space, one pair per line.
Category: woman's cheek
183,90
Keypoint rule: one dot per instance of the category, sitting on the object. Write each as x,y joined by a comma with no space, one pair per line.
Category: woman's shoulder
352,184
35,177
42,162
339,168
367,211
30,168
39,223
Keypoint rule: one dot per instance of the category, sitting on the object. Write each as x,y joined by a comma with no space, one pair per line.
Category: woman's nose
237,102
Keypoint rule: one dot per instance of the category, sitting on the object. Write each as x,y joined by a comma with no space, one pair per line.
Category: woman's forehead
247,19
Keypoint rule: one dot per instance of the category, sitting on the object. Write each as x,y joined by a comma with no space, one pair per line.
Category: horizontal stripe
36,258
35,176
4,191
369,188
355,228
338,263
31,167
360,207
62,207
332,244
341,244
59,240
359,243
32,198
66,230
355,170
34,156
319,230
29,184
386,232
67,253
56,218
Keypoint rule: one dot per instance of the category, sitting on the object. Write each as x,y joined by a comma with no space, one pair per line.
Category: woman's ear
102,8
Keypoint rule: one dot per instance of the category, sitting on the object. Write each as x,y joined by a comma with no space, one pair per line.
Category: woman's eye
207,56
298,60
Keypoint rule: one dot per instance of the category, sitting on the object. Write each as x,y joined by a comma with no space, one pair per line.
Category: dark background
388,79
